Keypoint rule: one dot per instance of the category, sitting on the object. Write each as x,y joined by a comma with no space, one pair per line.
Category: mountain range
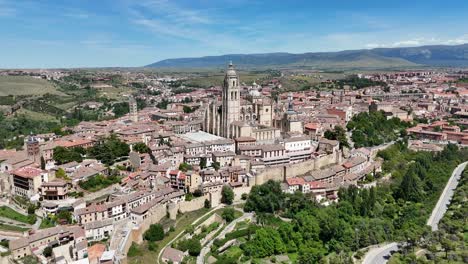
428,56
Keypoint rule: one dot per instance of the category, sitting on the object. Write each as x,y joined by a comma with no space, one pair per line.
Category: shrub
152,246
134,250
228,214
154,233
227,195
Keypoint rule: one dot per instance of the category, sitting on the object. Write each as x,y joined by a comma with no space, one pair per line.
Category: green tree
227,195
61,174
43,163
228,214
410,188
64,155
154,233
185,167
194,247
202,163
109,149
47,252
207,204
267,198
267,242
216,165
141,147
338,133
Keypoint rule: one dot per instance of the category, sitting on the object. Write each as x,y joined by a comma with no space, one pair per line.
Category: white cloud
420,42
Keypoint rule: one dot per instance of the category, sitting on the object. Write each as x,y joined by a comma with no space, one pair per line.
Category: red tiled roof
27,172
295,181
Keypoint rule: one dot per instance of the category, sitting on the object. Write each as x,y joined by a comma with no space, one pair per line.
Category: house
172,255
27,181
72,236
55,190
295,184
99,230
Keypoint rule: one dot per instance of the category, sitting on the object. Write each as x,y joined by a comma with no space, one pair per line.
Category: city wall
158,212
280,173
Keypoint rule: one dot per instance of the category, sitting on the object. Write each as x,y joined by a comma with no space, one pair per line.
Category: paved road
445,197
377,255
229,228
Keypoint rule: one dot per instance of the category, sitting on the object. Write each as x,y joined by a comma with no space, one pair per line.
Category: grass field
36,115
24,85
7,212
12,228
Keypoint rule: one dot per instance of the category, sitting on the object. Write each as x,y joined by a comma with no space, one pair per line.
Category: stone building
235,117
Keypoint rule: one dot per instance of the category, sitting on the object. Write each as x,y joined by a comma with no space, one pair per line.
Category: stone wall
194,204
238,191
280,173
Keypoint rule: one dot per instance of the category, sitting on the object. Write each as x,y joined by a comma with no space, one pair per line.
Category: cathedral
236,116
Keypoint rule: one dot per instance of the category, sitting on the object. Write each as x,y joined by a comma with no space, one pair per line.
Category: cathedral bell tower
231,101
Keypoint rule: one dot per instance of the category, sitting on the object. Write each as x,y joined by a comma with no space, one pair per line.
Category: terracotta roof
295,181
27,172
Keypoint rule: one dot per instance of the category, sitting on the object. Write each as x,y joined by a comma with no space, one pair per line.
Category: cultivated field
24,85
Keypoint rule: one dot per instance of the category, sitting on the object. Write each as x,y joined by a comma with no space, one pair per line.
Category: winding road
227,229
444,200
381,254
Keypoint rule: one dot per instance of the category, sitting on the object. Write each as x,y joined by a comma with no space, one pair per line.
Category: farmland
24,85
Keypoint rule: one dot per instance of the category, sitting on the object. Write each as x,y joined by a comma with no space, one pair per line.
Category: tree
109,149
65,215
154,233
187,109
244,196
267,242
64,155
227,195
267,198
410,188
61,174
215,165
228,214
141,147
194,247
185,167
43,163
312,252
202,163
47,252
207,204
338,133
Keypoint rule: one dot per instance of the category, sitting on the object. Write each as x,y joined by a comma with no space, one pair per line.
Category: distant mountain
437,55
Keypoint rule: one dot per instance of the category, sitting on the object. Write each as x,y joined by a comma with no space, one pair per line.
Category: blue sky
97,33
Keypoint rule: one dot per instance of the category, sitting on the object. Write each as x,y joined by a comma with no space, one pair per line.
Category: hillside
438,55
25,85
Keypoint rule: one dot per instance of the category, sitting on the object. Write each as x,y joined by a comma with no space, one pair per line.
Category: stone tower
133,109
32,147
231,101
